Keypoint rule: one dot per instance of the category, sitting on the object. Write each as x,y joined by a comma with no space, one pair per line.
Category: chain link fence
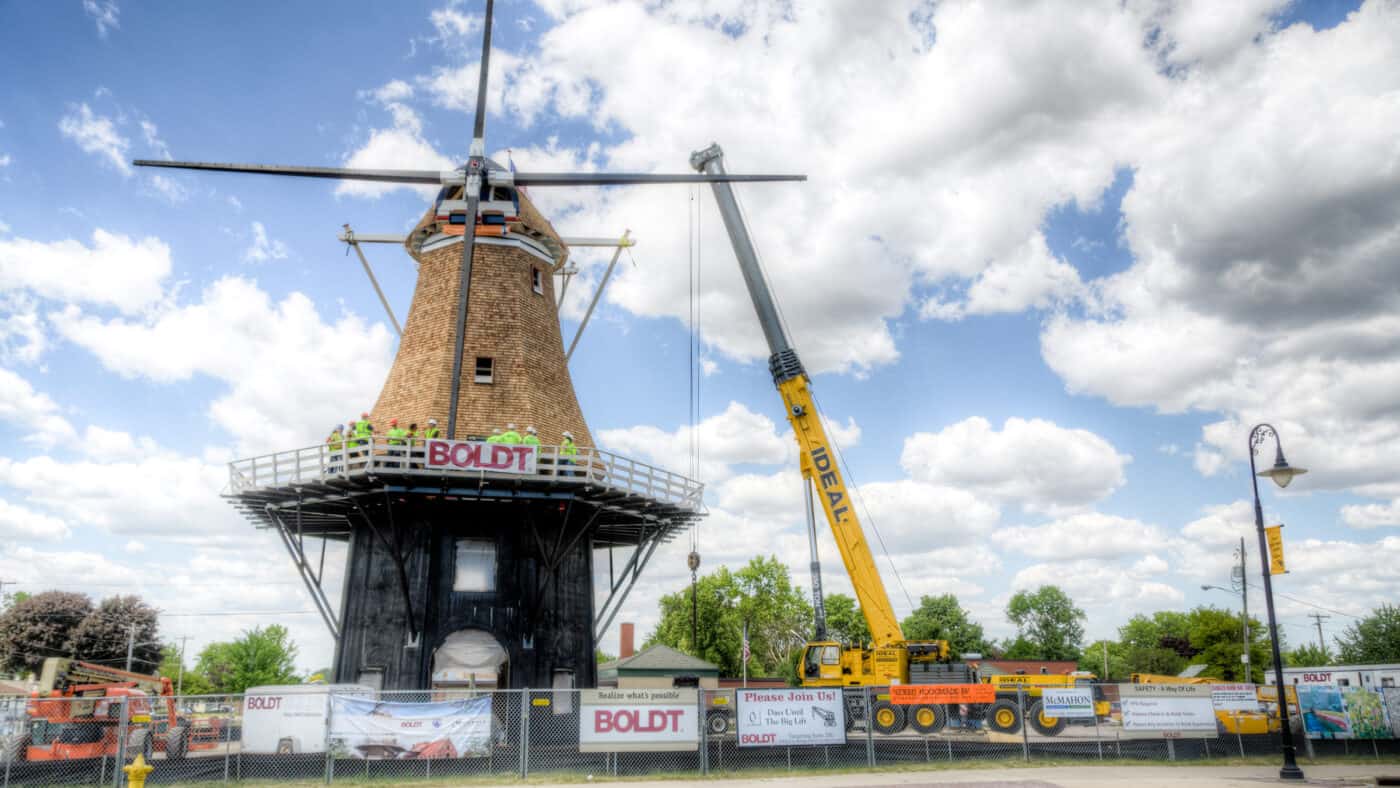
311,734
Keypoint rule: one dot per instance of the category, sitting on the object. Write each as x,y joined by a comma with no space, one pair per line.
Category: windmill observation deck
314,489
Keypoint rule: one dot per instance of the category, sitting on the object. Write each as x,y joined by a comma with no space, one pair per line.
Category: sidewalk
1050,777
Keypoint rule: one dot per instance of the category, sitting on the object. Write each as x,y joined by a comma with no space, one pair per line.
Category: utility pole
130,643
1244,595
4,583
1105,660
1319,618
180,681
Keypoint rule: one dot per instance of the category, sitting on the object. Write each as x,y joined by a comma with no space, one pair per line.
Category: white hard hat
496,431
530,429
432,422
568,435
510,426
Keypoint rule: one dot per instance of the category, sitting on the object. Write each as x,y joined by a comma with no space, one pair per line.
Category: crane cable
692,219
840,457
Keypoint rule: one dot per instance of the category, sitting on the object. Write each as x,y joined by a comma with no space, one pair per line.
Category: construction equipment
1226,721
892,659
76,712
1005,715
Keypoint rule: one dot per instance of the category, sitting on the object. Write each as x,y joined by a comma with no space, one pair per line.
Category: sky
1053,260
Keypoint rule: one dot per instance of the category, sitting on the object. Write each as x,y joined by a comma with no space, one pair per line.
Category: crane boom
820,470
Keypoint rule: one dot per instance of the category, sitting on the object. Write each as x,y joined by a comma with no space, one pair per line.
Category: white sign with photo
368,728
1234,697
638,720
1077,703
790,717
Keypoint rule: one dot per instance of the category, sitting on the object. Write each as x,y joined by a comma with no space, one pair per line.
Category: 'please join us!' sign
482,456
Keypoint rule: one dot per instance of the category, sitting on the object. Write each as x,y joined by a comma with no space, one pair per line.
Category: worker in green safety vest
567,452
432,432
532,438
397,438
336,445
495,436
510,435
364,436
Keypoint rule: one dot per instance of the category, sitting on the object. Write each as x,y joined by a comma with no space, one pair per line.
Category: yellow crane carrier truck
892,659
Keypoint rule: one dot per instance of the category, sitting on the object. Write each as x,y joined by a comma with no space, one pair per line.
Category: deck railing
378,456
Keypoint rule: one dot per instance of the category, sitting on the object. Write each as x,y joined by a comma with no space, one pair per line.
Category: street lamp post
1282,473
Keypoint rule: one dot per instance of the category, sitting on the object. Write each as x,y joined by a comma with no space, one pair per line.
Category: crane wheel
1042,723
928,719
888,718
1004,717
717,722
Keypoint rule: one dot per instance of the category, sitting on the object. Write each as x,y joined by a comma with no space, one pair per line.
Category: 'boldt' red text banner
481,456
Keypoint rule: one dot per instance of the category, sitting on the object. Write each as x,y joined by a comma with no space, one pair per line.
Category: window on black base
483,370
475,565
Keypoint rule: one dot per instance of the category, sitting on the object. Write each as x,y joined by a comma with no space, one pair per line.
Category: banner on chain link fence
790,717
368,728
1234,697
638,720
909,694
1366,712
1171,711
1076,703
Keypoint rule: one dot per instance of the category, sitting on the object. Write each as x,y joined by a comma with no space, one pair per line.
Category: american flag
745,652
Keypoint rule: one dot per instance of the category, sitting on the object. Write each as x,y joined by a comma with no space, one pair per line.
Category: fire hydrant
136,772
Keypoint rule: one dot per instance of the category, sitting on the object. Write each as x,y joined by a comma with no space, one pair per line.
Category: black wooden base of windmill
435,561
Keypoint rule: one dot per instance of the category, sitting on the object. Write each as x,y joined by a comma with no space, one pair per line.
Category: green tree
1092,660
1048,620
103,635
191,682
1373,639
1152,644
761,593
263,655
942,618
39,627
1215,635
844,620
1308,655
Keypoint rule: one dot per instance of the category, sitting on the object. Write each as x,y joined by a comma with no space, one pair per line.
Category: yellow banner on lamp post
1274,535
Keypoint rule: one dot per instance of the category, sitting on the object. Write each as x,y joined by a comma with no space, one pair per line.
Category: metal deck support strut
313,584
398,559
631,572
622,244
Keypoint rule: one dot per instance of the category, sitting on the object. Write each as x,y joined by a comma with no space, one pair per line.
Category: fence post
869,730
524,733
121,743
703,725
1239,735
326,743
1025,723
1098,737
1171,750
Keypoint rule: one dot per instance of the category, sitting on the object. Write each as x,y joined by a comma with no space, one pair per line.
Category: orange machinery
76,712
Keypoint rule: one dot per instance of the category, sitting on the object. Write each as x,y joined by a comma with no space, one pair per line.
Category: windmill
461,569
478,172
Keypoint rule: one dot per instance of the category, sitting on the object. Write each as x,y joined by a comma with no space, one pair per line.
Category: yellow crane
892,659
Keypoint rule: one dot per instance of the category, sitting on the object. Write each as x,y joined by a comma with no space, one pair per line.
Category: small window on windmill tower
483,369
537,280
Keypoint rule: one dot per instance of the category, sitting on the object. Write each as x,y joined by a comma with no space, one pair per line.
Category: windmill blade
626,178
335,173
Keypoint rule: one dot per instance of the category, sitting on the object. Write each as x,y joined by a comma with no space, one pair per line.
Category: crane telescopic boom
820,470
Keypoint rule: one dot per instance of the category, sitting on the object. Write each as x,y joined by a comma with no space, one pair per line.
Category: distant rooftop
657,660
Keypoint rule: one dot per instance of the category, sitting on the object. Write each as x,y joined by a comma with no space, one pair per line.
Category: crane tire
887,718
928,719
1042,724
1004,716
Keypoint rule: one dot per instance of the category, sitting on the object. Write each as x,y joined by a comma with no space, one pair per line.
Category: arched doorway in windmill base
471,659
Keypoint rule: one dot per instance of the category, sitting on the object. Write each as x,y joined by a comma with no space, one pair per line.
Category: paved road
1052,777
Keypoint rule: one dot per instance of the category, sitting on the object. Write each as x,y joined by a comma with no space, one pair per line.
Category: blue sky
1047,271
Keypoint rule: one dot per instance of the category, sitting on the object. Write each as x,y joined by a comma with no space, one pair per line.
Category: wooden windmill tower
465,565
